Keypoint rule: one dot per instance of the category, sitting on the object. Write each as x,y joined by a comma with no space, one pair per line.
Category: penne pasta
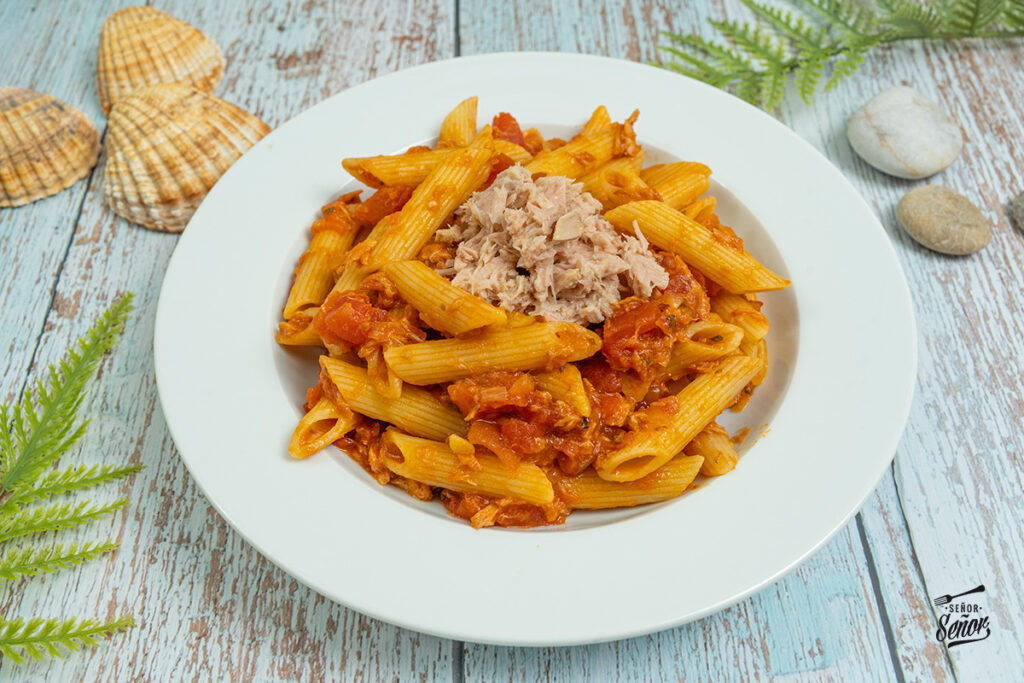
726,263
532,347
333,234
678,184
459,127
434,463
715,446
699,402
565,384
605,396
705,341
441,304
588,491
401,235
298,331
740,311
618,182
324,424
412,168
416,411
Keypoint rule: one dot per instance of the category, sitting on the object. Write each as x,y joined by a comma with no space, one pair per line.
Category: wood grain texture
958,470
209,606
34,238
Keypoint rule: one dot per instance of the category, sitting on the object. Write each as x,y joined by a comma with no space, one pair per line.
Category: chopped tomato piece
507,128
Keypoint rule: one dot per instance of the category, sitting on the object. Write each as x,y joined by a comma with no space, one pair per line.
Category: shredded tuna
543,248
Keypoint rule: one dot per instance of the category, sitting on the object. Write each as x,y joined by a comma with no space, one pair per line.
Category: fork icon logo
962,621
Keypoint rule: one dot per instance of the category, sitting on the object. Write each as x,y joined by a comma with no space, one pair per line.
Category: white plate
842,344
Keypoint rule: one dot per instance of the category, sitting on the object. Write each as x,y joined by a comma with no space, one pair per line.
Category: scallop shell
45,146
142,46
167,145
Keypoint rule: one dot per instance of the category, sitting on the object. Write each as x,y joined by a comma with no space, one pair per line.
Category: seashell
167,145
142,46
46,145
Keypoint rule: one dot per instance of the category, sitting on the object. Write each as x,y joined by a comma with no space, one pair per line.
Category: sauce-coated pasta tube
714,444
412,168
324,424
618,182
747,315
678,184
434,463
416,411
441,304
730,266
705,340
533,347
565,384
700,401
298,331
401,235
588,491
459,127
579,156
333,234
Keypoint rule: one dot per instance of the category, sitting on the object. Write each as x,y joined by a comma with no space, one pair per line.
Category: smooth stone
1017,210
903,133
943,220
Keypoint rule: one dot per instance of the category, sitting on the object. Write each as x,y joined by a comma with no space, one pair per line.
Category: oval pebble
943,220
903,133
1017,210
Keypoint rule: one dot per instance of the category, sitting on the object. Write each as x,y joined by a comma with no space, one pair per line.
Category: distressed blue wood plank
958,473
209,606
37,42
809,626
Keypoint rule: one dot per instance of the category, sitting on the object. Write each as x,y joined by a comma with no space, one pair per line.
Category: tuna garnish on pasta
522,327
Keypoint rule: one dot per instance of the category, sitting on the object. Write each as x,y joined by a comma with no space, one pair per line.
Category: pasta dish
521,327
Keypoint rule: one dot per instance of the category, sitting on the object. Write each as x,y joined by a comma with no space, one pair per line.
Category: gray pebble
903,133
943,220
1017,210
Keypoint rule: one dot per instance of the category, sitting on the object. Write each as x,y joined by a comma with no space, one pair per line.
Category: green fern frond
807,76
847,16
754,41
42,425
969,17
58,482
911,20
32,561
21,640
43,518
816,37
1013,15
794,28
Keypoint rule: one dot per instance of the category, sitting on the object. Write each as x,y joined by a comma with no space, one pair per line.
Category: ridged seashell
167,145
142,46
45,146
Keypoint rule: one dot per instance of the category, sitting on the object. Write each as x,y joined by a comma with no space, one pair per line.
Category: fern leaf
21,640
845,65
911,20
54,517
1013,15
796,29
807,76
969,17
847,16
753,41
32,561
57,482
42,425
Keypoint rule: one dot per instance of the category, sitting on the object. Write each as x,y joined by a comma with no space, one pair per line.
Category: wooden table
948,515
